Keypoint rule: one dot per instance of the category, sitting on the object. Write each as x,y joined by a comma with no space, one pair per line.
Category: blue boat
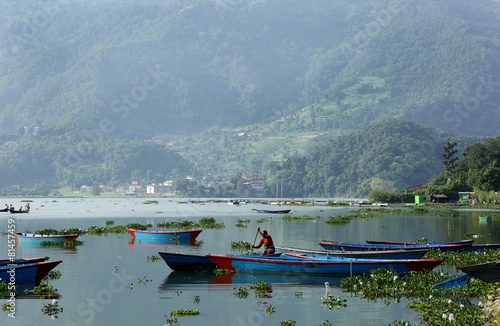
460,242
29,273
32,238
270,211
453,282
165,236
20,261
186,262
386,254
331,266
356,246
482,247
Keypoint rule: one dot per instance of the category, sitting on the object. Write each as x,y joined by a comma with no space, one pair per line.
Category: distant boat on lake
164,236
273,211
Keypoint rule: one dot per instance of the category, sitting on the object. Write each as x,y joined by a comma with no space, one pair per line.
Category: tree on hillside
450,162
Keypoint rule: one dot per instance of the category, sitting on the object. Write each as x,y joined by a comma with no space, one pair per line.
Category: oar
255,237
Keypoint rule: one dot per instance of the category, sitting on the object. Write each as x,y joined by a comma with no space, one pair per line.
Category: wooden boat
37,238
271,211
4,210
488,272
452,282
20,261
33,272
386,254
332,265
356,246
482,247
13,211
186,262
465,242
164,236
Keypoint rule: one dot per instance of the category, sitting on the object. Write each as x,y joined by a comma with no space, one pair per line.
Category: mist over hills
137,69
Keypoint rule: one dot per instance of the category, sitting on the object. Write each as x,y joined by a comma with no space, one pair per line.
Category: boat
13,211
488,272
465,242
271,211
164,236
20,261
482,247
32,273
357,246
461,280
187,262
386,254
332,265
37,238
4,210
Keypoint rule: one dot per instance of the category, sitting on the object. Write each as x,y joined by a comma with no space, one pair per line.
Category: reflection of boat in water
179,279
487,272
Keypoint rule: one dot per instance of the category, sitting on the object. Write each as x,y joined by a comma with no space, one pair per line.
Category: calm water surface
108,280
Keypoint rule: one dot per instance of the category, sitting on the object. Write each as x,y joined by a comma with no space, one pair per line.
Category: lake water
108,280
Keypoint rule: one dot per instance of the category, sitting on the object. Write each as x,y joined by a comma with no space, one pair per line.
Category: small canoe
33,272
164,236
332,266
37,238
357,246
461,280
386,254
20,261
187,262
488,272
270,211
482,247
460,242
4,210
13,211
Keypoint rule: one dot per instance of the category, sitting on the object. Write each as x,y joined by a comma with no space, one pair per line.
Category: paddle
256,234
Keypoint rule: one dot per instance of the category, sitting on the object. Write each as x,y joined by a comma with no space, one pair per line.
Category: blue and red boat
187,262
357,246
332,265
385,254
270,211
188,236
28,273
32,238
460,242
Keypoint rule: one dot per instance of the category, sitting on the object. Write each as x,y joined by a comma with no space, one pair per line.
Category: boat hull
32,238
29,273
487,272
22,261
165,236
460,242
339,266
386,254
185,262
354,246
267,211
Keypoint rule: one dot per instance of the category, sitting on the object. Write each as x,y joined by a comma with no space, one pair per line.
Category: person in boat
27,207
267,241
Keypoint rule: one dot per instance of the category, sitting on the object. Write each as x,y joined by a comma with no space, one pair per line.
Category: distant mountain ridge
227,64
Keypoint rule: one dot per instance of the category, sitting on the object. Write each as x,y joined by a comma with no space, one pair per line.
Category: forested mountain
390,155
287,74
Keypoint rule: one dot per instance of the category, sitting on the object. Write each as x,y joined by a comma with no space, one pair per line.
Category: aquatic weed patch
365,213
60,243
290,218
463,258
436,305
204,222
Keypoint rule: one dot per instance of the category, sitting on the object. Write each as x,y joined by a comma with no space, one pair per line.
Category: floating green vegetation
494,216
288,323
242,246
289,218
154,258
261,288
219,271
52,309
44,290
148,202
270,309
333,302
242,223
205,222
4,289
60,243
175,239
463,258
340,219
110,222
196,299
265,219
96,230
184,312
53,275
298,294
197,242
418,210
327,323
241,292
433,303
51,231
